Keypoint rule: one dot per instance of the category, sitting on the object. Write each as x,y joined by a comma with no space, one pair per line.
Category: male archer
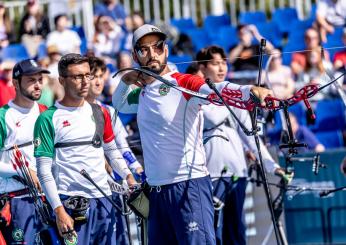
17,120
171,124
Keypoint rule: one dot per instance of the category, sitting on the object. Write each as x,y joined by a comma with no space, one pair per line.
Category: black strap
205,140
20,146
99,130
216,126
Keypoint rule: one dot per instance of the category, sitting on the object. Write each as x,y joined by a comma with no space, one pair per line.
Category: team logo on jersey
193,226
37,141
18,235
72,241
164,89
66,123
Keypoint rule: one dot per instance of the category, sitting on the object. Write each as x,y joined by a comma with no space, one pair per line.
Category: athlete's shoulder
48,113
184,77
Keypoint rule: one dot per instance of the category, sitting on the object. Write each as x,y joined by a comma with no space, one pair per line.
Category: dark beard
156,71
29,96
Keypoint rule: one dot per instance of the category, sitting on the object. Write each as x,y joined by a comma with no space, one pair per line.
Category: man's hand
131,180
64,223
139,171
261,93
35,179
250,156
287,177
137,78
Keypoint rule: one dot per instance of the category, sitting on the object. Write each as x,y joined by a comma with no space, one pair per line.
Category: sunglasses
143,50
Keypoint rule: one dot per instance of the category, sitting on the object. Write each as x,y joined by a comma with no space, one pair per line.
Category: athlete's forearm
44,174
115,159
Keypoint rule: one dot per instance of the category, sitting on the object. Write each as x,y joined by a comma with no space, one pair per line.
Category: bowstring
254,56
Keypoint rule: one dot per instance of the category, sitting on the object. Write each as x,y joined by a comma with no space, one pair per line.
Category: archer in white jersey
17,120
77,135
170,124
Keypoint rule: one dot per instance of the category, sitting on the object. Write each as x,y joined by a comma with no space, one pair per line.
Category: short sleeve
108,134
44,134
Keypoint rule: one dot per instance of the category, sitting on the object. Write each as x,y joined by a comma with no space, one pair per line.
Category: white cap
146,30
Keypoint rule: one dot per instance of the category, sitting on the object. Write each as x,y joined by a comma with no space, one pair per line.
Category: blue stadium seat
291,46
254,17
212,23
226,37
298,28
181,61
330,115
42,51
334,42
284,17
84,46
331,139
79,30
199,38
299,111
183,24
14,52
271,32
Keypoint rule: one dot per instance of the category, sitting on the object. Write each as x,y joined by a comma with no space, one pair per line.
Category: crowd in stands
294,47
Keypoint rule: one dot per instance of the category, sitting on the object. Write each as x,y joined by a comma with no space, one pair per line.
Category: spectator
112,9
123,60
33,27
243,55
314,73
312,41
330,14
67,41
108,38
280,77
340,57
6,28
304,135
52,89
7,90
132,22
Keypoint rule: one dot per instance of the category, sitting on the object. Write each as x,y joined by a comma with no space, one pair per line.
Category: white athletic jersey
224,142
16,128
61,124
171,124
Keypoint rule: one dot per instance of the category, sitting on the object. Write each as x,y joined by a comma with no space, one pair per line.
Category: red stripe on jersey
42,108
108,134
189,81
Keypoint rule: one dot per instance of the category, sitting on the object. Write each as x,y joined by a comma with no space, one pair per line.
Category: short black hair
206,54
70,59
57,17
96,63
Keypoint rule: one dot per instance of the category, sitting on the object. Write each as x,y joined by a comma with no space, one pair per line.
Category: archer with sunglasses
170,124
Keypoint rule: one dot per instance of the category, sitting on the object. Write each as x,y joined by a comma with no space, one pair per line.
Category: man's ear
202,68
16,84
62,81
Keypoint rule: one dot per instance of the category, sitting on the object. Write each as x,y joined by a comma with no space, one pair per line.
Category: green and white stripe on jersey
44,134
133,97
3,130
